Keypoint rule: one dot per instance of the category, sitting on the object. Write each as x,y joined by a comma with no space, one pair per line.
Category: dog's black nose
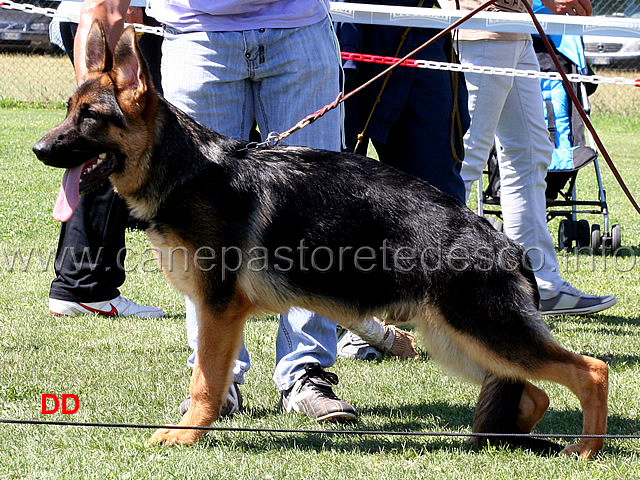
42,149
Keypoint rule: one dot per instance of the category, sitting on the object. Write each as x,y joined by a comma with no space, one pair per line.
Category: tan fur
588,379
533,405
219,338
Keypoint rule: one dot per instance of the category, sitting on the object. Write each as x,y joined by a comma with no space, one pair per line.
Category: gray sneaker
571,301
231,406
313,396
351,345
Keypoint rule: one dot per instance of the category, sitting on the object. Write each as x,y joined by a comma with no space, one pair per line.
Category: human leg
512,109
524,158
282,99
89,262
289,84
487,94
203,77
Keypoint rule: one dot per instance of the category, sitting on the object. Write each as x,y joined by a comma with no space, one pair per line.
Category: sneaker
312,396
571,301
396,343
231,406
118,306
351,345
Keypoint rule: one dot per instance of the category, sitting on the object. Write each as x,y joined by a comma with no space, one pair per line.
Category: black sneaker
231,406
312,395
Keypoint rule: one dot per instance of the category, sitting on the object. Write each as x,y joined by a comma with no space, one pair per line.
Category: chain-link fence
34,70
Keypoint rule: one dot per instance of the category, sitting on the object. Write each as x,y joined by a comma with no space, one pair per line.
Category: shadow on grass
448,418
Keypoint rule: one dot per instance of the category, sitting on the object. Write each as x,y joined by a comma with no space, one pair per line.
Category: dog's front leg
219,337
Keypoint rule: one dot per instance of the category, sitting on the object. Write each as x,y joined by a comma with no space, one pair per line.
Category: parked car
24,31
620,52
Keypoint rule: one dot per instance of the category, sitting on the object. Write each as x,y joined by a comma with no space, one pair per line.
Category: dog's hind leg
533,355
532,406
219,337
587,378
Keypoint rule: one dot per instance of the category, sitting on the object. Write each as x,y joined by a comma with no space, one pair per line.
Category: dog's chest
175,258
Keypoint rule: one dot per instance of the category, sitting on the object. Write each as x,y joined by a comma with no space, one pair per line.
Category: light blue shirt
237,15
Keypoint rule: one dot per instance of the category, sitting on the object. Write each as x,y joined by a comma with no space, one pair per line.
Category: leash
278,137
580,109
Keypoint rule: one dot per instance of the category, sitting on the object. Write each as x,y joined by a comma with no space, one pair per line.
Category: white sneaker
571,301
118,306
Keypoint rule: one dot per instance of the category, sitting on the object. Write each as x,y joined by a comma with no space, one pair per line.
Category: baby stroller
571,155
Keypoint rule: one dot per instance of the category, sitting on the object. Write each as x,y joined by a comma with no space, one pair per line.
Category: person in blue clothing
415,118
228,63
421,118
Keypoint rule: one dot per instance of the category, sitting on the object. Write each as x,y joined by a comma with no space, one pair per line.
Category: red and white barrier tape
468,68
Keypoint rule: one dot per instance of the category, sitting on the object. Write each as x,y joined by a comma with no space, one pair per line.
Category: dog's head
105,131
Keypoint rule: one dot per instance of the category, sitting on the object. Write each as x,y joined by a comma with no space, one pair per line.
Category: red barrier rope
364,57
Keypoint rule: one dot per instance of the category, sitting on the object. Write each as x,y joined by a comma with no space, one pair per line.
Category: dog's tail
497,412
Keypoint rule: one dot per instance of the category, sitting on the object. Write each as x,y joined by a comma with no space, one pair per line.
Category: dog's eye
91,114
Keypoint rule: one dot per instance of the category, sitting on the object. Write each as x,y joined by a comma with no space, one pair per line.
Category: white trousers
510,108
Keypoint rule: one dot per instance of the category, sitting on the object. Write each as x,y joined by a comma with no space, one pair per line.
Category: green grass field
133,370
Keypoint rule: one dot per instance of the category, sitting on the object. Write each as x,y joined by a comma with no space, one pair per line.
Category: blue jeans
277,76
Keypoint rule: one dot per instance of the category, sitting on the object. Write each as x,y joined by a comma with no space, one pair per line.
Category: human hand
135,15
571,7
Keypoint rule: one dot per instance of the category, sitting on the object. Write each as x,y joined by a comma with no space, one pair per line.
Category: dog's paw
170,437
584,450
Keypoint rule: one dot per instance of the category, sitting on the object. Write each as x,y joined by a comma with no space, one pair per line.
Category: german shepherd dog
244,230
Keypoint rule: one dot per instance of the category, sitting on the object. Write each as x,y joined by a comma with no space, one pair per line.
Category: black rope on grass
312,431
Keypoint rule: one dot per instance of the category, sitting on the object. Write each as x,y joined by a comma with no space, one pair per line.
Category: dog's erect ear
129,69
98,56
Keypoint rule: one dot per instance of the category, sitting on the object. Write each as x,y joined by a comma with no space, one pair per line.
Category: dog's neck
180,150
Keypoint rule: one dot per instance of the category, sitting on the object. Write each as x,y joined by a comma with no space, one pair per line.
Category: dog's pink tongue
69,194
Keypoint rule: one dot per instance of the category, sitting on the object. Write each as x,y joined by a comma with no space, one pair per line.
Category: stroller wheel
565,235
616,237
583,238
596,238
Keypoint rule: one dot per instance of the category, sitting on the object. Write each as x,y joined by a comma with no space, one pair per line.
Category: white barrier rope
496,22
439,18
68,16
512,72
403,16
